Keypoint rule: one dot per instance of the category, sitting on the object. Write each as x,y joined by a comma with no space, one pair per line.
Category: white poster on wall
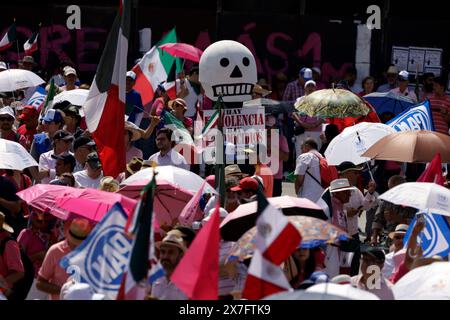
416,60
433,58
400,57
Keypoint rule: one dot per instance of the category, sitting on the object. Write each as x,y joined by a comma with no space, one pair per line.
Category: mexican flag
32,44
177,126
8,38
48,104
156,67
104,108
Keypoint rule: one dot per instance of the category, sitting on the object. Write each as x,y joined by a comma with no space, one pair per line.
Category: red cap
211,180
246,184
28,112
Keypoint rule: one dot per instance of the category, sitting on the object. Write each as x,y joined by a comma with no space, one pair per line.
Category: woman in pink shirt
36,239
51,276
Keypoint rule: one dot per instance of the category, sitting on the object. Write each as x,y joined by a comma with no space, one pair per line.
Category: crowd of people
32,242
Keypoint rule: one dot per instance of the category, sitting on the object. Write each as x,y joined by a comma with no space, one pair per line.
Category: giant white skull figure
228,68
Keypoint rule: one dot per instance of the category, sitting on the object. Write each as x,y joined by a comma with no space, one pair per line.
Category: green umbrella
332,103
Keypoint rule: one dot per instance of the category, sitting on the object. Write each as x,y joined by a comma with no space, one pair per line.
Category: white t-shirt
172,158
310,188
83,180
357,199
191,99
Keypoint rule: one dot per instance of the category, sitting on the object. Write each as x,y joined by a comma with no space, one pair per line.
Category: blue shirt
133,105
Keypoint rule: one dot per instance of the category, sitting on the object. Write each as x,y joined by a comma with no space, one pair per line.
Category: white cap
131,74
7,111
69,70
307,74
307,83
403,75
3,66
81,291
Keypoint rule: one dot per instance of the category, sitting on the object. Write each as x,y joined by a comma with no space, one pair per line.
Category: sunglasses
6,119
398,237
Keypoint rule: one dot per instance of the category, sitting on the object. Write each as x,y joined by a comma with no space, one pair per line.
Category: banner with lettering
242,128
418,117
101,259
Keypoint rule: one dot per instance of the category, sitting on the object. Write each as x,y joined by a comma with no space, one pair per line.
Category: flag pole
220,167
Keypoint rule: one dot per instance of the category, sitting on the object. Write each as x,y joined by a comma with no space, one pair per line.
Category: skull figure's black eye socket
246,61
224,62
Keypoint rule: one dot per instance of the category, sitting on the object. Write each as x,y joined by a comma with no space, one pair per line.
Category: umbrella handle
370,171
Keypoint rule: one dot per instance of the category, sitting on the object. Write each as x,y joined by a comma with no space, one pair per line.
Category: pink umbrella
62,201
43,197
94,204
244,217
169,199
183,50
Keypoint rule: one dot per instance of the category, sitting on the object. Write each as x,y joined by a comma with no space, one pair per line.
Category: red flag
263,279
32,44
276,237
197,274
104,108
433,173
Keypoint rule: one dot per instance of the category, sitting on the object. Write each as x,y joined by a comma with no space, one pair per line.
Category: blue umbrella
389,102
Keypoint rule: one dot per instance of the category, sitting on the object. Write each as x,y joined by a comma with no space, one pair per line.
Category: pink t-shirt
283,146
10,260
32,244
50,269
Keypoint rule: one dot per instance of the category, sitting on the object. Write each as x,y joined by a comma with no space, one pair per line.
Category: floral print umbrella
315,232
332,103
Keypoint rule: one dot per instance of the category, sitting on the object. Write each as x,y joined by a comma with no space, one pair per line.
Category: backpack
327,173
21,288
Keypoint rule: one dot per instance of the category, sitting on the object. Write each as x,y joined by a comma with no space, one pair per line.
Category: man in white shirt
356,205
397,245
308,181
82,146
171,250
402,89
62,142
190,90
166,155
92,175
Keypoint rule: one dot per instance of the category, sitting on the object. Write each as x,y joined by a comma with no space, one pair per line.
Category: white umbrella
16,79
341,290
303,295
431,282
420,195
174,175
14,156
354,141
76,97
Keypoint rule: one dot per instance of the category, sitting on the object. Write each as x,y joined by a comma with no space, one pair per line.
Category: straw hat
174,239
134,165
177,101
78,231
3,225
109,184
399,229
260,90
339,185
134,129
